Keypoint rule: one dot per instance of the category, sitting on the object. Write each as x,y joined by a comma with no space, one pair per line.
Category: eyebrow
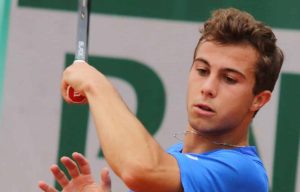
204,61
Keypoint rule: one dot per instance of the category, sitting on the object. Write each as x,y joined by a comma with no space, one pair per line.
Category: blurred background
146,49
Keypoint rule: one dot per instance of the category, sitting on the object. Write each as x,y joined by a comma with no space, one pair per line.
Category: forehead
242,57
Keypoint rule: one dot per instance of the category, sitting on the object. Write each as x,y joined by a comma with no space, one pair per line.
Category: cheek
189,95
237,102
192,88
233,113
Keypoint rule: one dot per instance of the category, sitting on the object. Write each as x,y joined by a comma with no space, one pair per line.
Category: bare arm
129,149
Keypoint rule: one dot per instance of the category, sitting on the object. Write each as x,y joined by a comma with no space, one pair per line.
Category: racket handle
75,96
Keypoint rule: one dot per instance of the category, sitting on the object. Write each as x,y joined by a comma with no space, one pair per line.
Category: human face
221,80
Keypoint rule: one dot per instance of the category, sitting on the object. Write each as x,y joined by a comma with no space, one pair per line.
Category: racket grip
75,96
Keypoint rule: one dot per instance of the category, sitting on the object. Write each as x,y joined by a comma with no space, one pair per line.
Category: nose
209,87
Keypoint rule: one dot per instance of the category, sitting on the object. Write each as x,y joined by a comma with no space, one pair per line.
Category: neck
200,142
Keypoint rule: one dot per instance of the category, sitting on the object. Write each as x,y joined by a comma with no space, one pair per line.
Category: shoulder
235,168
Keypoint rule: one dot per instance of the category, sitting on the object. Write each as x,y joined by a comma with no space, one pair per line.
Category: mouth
205,108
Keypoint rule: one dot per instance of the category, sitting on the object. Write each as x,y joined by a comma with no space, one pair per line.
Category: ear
260,100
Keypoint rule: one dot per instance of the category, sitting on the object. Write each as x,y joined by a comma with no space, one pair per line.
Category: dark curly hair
232,26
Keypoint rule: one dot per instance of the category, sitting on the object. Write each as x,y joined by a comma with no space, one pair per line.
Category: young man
236,64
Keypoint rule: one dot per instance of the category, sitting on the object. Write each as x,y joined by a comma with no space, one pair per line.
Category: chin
209,128
201,126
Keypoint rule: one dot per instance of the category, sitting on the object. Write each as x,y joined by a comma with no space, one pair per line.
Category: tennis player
235,67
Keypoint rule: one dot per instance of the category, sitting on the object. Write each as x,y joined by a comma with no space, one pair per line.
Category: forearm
128,148
124,140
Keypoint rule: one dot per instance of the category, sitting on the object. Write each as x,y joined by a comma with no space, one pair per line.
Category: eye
230,80
203,71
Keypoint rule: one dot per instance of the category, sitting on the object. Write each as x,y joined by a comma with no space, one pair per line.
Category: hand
80,76
82,180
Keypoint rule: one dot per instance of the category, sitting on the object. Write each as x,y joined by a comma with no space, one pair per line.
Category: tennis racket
81,44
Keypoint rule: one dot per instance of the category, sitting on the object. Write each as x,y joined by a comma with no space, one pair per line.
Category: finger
45,187
105,182
64,93
83,163
59,175
65,84
71,166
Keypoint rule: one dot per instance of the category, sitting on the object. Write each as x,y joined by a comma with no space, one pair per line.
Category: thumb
105,181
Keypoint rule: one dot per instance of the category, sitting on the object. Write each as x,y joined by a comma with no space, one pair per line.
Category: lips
205,107
204,110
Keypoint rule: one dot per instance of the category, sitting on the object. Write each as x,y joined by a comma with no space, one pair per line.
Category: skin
80,172
221,78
